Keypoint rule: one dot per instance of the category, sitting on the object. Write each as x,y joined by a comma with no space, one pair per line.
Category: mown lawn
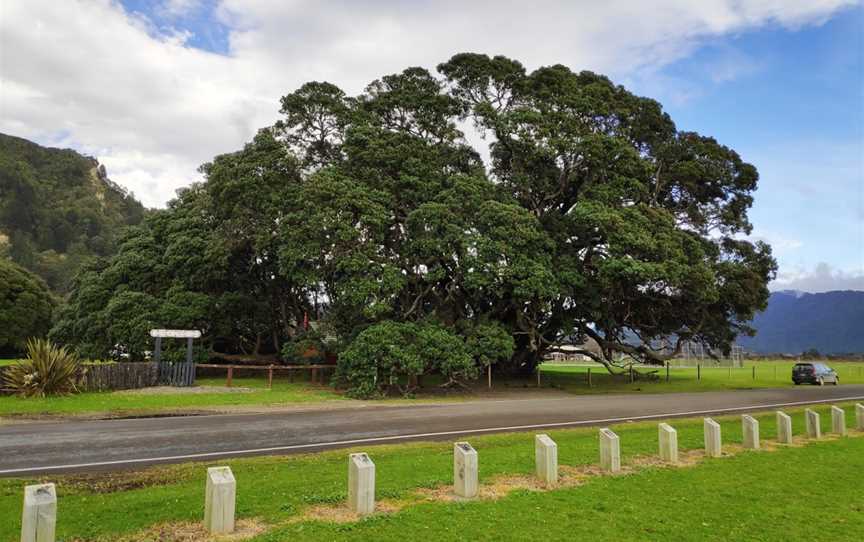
808,493
768,374
132,402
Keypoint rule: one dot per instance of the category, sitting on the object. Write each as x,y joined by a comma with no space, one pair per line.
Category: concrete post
784,428
39,519
219,500
546,458
750,429
668,443
713,445
838,421
811,419
361,484
465,470
610,450
859,416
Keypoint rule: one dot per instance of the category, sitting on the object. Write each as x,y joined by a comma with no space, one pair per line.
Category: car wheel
820,382
836,380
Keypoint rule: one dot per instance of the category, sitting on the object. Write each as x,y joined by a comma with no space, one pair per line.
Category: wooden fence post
230,376
589,377
270,377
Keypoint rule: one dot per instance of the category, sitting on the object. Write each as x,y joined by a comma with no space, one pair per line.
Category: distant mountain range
830,322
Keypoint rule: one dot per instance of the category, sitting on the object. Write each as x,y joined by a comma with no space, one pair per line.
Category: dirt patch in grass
192,390
110,482
194,532
342,514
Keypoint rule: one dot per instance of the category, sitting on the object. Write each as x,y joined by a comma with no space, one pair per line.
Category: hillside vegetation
58,209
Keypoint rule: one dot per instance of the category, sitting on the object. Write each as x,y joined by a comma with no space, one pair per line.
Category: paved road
30,449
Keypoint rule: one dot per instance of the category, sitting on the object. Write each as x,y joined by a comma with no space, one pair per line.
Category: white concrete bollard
811,422
750,429
838,420
668,443
219,500
546,458
784,428
610,450
361,484
465,470
713,443
859,416
39,519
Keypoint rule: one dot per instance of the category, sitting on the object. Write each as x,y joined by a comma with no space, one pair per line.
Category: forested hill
830,322
58,209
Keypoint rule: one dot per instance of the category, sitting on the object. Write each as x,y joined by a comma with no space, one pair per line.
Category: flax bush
48,370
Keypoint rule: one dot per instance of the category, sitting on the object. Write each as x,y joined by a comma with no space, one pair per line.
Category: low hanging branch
640,352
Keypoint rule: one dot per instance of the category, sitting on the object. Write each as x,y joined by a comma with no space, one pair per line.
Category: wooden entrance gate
170,373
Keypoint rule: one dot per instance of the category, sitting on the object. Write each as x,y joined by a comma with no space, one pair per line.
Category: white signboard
176,333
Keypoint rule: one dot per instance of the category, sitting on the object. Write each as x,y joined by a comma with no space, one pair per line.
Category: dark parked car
814,373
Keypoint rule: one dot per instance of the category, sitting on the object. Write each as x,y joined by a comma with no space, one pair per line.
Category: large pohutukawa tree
594,219
645,221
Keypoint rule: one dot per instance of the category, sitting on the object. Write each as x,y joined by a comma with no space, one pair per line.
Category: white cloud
178,8
153,109
821,278
780,243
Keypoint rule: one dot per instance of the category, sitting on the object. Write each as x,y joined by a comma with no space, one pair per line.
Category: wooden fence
111,376
119,376
316,373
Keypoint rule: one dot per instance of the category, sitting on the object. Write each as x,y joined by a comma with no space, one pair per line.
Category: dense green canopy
25,307
593,218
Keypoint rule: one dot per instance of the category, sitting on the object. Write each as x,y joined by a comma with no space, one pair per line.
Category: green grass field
768,374
131,402
795,493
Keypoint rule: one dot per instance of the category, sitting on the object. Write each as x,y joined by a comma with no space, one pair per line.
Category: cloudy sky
155,88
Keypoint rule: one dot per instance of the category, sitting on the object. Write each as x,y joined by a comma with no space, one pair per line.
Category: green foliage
48,370
305,348
388,355
58,209
26,306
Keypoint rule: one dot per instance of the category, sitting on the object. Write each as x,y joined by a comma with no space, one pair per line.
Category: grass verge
810,492
142,402
767,374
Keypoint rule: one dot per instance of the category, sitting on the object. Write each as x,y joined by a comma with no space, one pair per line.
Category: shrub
48,370
385,355
26,306
307,348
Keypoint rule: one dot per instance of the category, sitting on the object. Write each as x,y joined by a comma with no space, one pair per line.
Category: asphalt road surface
98,445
